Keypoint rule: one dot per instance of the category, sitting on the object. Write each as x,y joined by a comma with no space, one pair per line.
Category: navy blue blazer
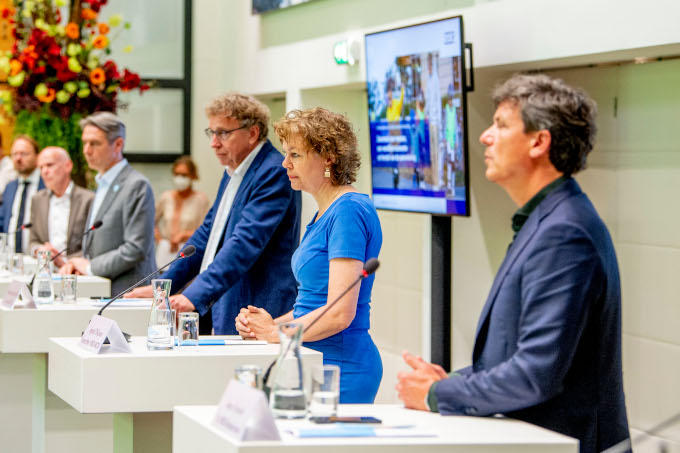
8,201
548,343
252,263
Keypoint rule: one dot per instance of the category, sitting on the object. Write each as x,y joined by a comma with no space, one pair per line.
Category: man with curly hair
246,242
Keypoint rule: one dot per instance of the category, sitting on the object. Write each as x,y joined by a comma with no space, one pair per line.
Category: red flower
7,12
130,81
111,70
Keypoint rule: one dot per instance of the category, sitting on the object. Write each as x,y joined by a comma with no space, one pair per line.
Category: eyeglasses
222,135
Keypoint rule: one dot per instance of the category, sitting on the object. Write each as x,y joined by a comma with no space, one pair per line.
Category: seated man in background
548,343
245,244
122,249
58,212
16,199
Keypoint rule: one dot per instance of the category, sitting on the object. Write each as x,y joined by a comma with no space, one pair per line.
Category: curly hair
327,133
245,109
567,113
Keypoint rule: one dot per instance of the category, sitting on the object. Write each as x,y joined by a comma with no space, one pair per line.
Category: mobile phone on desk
344,420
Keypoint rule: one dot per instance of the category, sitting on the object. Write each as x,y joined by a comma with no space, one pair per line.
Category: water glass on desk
187,329
17,264
250,375
69,289
325,391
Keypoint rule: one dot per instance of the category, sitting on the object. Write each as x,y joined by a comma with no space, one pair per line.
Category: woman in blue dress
322,159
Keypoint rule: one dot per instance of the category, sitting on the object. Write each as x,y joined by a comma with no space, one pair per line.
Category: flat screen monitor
415,80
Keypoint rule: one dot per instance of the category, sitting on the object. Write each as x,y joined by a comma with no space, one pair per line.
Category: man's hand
77,265
413,386
180,303
142,292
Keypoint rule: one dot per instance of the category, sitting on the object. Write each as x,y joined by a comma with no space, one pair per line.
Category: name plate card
18,296
98,330
244,414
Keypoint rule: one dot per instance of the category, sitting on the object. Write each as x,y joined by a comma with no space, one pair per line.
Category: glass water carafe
287,395
43,293
161,327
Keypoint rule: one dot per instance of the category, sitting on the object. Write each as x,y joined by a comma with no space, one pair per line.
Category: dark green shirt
518,221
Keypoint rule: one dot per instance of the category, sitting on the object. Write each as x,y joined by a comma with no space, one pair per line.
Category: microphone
627,444
369,268
185,253
94,226
23,227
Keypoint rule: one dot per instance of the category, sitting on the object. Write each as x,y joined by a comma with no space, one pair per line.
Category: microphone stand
369,268
94,226
187,252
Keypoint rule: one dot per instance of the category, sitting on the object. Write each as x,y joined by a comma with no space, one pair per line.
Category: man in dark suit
122,249
245,244
59,212
16,199
548,342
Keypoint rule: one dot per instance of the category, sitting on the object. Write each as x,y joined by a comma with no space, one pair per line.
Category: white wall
633,176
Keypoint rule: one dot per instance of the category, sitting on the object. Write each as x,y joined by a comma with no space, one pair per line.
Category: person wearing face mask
179,212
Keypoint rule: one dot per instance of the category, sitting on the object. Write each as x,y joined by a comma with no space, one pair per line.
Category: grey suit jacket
81,200
122,249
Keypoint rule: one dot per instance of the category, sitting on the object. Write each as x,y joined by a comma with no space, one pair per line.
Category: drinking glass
17,264
325,391
250,375
187,329
4,251
69,289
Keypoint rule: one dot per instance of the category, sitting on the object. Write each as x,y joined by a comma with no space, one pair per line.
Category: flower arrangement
60,70
63,67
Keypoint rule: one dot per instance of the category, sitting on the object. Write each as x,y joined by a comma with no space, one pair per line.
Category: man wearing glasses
245,244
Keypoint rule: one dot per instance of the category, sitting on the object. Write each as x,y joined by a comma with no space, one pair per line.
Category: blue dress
349,228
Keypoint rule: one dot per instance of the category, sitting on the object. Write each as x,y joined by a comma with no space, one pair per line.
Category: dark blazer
122,249
81,200
252,263
8,201
548,343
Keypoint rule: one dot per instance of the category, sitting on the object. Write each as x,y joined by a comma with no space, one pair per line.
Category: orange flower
97,76
15,67
100,42
103,28
88,14
72,30
49,97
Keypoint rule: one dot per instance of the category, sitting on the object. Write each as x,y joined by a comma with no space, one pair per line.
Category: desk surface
193,432
26,330
88,285
151,381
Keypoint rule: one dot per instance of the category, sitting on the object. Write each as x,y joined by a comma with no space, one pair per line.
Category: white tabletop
151,381
88,285
193,432
25,330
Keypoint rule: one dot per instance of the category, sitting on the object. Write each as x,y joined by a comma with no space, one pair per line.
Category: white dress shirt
220,221
34,181
57,222
104,181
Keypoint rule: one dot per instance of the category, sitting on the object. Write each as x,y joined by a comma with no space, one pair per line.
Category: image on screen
416,106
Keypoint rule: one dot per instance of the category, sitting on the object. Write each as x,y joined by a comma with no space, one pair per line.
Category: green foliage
50,130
